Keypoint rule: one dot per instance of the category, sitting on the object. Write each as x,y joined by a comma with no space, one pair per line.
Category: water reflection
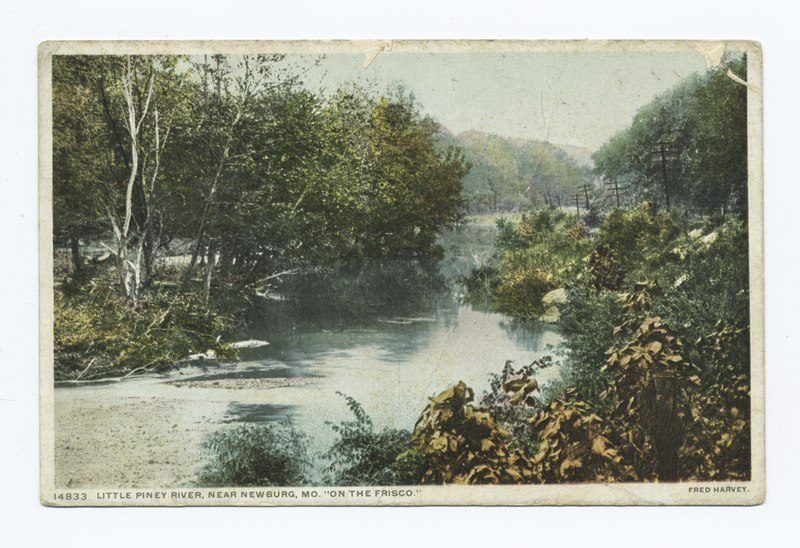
257,412
389,364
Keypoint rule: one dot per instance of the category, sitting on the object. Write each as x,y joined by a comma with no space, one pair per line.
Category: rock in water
252,343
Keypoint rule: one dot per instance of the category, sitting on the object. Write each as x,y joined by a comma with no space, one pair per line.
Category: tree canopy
234,156
703,125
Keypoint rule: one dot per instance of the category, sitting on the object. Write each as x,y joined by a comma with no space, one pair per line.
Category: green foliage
257,176
704,120
718,431
510,175
520,293
648,381
510,388
606,270
98,330
364,456
463,443
706,281
541,252
586,324
574,445
634,234
264,455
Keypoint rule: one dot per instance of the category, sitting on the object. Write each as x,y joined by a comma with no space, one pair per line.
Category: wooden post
616,192
586,192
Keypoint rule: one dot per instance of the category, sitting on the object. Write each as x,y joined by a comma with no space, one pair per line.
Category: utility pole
578,204
585,189
662,144
616,189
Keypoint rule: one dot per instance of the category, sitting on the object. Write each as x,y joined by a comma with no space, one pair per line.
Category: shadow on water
257,412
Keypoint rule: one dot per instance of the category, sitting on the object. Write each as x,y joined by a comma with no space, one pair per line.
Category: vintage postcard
401,273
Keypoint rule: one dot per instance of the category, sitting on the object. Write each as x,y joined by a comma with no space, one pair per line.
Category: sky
579,99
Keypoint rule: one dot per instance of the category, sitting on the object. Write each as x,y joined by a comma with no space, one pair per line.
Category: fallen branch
87,369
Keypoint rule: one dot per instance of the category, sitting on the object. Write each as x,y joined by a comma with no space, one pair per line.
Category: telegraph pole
578,204
585,189
616,189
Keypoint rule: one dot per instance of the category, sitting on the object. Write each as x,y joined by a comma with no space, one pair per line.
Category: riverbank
149,431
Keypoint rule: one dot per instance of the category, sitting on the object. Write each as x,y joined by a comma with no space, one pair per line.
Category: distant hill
516,174
581,155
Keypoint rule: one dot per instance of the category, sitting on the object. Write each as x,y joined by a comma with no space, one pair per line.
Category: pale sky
568,98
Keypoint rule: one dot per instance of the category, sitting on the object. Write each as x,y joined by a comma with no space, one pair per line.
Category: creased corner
740,80
375,50
712,51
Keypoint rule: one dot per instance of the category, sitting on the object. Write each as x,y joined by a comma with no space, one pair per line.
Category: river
147,431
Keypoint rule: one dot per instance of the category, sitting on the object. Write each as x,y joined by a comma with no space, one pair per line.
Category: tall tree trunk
210,262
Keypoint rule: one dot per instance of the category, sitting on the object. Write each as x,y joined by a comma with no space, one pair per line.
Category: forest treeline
515,174
702,126
231,162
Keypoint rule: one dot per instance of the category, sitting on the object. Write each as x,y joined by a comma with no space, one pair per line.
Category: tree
703,122
80,156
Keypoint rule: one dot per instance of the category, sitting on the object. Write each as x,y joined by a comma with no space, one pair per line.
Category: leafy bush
98,333
461,443
574,445
672,419
264,455
541,252
586,324
507,390
363,456
708,283
718,440
633,234
464,443
648,382
520,293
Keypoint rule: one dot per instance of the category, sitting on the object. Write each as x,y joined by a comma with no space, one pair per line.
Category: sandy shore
147,432
130,441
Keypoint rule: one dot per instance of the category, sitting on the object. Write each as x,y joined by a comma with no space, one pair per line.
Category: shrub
718,440
100,329
458,442
707,284
630,234
263,455
574,445
520,293
648,383
511,401
587,325
364,456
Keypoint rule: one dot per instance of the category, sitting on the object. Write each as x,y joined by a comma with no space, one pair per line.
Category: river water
391,367
391,364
